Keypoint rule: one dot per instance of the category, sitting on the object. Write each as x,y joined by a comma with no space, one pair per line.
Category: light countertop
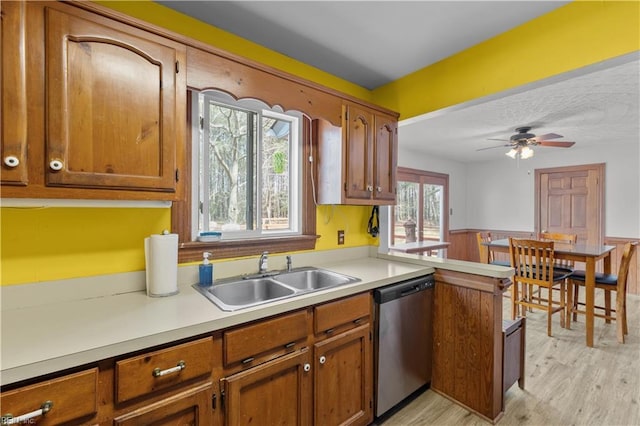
46,337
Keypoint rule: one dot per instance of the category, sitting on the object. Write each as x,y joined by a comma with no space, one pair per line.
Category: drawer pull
247,360
159,373
8,419
290,345
329,330
357,321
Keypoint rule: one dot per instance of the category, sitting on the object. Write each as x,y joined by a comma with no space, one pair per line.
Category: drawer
162,369
69,398
277,334
351,310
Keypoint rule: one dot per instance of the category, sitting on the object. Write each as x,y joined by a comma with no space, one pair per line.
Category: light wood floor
566,383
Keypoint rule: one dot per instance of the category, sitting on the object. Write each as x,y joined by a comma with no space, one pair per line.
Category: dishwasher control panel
404,288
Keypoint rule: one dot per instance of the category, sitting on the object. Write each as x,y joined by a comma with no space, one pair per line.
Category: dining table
590,254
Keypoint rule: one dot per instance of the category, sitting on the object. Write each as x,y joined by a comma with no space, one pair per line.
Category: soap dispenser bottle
206,270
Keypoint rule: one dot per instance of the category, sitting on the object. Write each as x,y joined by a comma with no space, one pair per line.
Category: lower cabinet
312,366
342,378
190,407
277,392
72,398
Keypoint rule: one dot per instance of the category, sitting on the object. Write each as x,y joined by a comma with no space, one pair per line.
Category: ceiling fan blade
547,137
494,139
560,144
492,147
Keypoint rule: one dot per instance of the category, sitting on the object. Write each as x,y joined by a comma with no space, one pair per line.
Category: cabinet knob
307,367
370,188
322,359
56,165
11,161
379,188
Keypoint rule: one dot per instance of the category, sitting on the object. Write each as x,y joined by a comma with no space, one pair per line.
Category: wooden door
13,105
274,393
111,104
358,153
191,407
570,200
384,170
343,379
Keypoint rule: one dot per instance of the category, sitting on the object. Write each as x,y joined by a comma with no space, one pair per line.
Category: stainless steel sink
242,292
309,279
239,294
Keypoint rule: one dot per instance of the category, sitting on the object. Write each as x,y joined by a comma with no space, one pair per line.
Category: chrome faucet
262,263
288,263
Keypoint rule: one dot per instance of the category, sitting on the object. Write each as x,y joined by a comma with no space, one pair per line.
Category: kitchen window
248,179
248,170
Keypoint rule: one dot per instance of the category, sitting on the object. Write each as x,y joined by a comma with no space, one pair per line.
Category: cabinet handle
357,321
159,373
247,360
56,165
290,345
307,367
11,161
329,330
8,419
322,359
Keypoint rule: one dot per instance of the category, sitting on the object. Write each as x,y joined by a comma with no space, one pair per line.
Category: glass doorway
421,210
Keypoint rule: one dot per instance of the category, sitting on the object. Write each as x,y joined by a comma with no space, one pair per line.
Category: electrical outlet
340,237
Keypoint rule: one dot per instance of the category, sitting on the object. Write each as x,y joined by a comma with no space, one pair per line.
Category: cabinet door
358,153
191,407
111,104
343,379
385,163
274,393
13,105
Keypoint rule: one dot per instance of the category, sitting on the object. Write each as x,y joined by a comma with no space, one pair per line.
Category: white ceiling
373,42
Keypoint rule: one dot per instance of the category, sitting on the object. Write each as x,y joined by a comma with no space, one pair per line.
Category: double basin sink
242,292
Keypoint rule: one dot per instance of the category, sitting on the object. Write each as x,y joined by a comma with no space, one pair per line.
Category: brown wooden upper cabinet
13,108
107,106
357,162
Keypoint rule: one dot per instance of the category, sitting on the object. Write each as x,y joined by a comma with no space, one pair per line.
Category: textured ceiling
595,106
373,42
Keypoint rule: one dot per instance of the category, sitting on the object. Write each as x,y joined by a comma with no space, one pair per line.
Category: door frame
599,168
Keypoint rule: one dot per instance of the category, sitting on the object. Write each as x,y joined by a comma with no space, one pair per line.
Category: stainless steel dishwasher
404,330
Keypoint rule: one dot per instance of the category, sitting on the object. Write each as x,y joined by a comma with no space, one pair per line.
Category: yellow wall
57,243
578,34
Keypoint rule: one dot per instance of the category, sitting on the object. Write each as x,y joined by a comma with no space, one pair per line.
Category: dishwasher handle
409,291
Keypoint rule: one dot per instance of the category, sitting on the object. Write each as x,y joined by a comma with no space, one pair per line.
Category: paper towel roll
161,259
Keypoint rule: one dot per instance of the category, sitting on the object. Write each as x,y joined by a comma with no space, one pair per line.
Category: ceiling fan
521,143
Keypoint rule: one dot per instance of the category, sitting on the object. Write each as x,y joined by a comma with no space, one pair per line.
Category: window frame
422,177
257,112
181,211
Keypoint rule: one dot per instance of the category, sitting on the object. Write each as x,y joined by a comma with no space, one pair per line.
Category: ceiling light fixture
518,152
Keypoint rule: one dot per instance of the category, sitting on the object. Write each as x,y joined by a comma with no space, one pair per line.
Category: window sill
192,251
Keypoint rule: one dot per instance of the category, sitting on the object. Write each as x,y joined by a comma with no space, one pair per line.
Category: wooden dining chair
560,265
609,283
560,238
486,255
533,262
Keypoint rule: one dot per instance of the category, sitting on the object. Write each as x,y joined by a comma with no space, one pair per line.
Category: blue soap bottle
206,270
